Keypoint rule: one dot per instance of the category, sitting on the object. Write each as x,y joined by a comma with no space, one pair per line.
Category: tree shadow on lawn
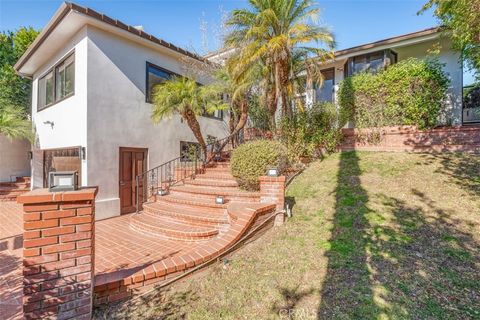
409,261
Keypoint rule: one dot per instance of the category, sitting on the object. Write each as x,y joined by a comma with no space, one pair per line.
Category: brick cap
272,179
43,195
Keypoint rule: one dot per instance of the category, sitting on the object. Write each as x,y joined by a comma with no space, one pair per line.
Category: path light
219,200
272,172
162,192
62,181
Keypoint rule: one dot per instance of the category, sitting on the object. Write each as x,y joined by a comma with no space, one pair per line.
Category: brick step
23,179
193,203
200,216
216,175
218,169
211,193
224,183
16,185
220,164
171,228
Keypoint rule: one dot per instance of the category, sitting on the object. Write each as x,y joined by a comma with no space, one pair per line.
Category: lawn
373,236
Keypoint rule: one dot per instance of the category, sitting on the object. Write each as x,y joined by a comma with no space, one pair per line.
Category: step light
272,172
162,192
219,200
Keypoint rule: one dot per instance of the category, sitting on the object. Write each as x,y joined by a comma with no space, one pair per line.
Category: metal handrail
160,179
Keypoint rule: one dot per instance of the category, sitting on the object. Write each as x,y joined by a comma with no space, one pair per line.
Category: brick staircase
9,191
188,216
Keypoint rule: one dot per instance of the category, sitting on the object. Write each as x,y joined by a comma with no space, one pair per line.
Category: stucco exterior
108,111
14,158
452,112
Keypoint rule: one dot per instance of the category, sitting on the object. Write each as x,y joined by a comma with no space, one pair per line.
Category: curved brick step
220,169
159,271
201,181
230,194
171,228
191,202
216,175
198,216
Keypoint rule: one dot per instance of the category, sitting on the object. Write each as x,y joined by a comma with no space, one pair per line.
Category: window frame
172,73
325,71
54,79
149,64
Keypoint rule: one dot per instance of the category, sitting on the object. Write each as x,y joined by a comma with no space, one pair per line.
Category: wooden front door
132,162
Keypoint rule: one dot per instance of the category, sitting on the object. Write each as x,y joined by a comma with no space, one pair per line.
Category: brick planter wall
272,190
58,250
408,138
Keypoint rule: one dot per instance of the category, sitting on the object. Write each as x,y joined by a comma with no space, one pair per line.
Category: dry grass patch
373,236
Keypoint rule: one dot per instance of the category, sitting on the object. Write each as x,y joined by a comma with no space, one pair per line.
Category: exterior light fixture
272,172
83,152
62,181
162,192
30,155
219,200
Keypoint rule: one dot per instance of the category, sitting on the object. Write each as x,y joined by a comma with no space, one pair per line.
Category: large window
155,75
324,93
57,84
370,62
189,151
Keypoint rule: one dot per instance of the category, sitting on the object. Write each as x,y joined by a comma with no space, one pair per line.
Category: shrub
251,160
410,92
318,127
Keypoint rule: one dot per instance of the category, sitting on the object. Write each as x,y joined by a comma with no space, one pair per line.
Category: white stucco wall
118,115
14,158
69,116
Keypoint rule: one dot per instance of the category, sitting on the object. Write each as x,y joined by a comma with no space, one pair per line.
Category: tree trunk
192,122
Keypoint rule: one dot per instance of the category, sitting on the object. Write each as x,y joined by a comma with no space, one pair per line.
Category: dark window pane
155,76
324,93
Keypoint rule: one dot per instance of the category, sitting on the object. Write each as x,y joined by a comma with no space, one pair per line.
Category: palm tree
13,123
275,32
185,96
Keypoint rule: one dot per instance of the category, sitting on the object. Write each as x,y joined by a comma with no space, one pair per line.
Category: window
57,84
325,92
370,62
188,150
155,75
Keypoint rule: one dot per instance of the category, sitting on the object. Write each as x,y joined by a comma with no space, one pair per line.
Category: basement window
57,84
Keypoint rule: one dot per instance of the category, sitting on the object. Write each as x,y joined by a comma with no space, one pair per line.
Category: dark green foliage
472,98
461,21
309,131
408,93
251,160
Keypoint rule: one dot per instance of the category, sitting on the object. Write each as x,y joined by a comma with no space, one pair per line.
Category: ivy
408,93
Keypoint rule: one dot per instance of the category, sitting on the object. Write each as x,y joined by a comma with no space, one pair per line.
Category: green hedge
251,160
410,92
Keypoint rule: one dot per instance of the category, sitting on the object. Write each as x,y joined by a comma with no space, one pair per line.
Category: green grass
373,236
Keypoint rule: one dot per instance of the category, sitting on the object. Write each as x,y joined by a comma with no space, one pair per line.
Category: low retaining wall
410,139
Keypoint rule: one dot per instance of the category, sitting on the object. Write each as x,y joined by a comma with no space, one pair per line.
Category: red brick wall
407,138
272,190
58,250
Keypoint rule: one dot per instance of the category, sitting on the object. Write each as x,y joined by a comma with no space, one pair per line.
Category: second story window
57,84
155,75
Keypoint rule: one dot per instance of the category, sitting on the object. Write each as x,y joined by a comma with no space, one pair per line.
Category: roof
68,7
371,45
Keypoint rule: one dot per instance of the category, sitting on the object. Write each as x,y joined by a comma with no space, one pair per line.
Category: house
377,55
91,82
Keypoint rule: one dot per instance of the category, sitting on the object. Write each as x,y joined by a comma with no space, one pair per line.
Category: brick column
58,253
272,190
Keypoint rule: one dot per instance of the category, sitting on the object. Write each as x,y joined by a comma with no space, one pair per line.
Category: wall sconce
219,200
50,123
83,153
62,181
272,172
30,155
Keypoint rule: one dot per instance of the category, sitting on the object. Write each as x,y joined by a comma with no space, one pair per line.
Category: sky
353,22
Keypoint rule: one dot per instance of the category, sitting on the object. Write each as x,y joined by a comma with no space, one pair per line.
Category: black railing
159,180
